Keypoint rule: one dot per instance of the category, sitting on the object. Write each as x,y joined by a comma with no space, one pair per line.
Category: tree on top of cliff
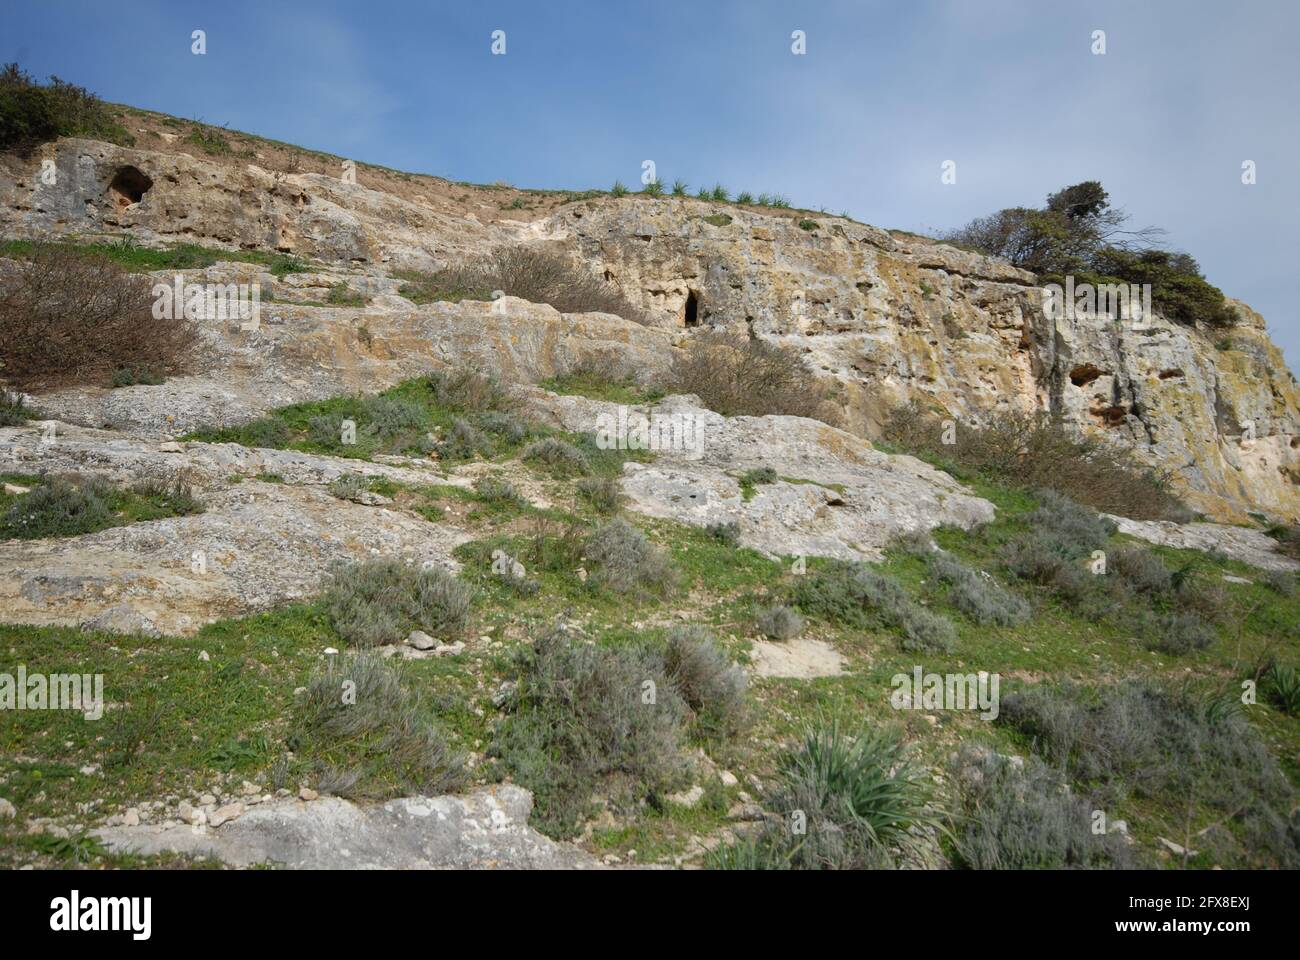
1078,232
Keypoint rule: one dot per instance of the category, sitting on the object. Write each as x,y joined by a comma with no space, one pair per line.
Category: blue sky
887,91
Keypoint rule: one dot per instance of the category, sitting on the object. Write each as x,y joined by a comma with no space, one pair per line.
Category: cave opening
129,186
691,315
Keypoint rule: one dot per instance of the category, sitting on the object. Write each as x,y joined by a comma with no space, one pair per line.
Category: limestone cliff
889,316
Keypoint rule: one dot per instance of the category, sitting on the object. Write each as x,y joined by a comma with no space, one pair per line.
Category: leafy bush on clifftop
32,113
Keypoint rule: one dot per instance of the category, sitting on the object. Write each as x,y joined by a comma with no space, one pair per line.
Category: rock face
891,317
836,495
895,318
485,829
255,546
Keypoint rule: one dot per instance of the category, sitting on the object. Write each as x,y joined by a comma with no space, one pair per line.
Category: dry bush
739,377
1037,450
71,317
530,273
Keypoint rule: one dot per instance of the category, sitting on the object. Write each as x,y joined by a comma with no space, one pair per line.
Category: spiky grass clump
864,798
365,734
13,409
1282,684
379,602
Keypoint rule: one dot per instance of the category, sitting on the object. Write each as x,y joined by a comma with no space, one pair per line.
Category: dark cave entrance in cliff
129,186
691,313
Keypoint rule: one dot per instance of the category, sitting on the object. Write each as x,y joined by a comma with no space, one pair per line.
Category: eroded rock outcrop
485,829
890,316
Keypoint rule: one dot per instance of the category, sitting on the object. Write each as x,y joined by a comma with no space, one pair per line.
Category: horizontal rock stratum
890,316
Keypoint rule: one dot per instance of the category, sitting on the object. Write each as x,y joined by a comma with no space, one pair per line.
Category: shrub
978,595
707,680
758,475
273,433
1181,631
1038,451
376,743
1287,537
379,602
1078,232
561,457
464,441
1279,581
719,193
749,377
725,532
779,623
619,189
58,507
653,189
211,140
744,197
1282,684
127,377
603,493
68,317
392,417
493,490
808,225
855,595
1024,820
863,796
1141,570
341,295
626,562
175,497
680,188
508,427
13,412
579,724
471,390
1135,738
348,486
32,114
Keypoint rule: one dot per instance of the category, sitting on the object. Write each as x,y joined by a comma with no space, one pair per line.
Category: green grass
233,714
406,419
62,510
180,256
592,384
